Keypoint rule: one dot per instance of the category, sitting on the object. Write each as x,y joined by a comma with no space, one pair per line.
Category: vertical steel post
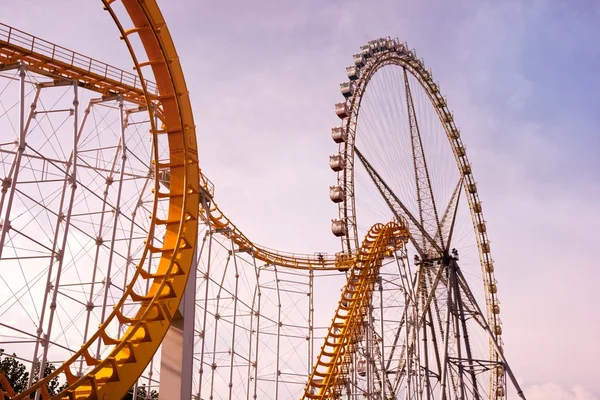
444,376
217,316
235,304
383,369
12,181
72,180
253,313
278,333
311,321
123,151
258,319
205,276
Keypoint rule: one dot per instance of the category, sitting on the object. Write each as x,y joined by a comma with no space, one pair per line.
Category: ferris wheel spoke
449,218
400,210
428,215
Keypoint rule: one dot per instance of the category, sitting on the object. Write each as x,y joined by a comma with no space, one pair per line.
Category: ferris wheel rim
391,52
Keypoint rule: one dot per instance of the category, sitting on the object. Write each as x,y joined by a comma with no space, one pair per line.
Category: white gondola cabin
361,367
365,50
341,109
336,194
352,72
374,46
347,89
336,162
359,60
338,228
338,134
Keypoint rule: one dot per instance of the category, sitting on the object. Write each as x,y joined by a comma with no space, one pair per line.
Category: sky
520,77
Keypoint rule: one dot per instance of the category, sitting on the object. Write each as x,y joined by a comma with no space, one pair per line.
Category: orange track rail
112,376
347,327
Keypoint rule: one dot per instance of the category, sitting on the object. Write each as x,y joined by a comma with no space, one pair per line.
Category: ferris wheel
401,158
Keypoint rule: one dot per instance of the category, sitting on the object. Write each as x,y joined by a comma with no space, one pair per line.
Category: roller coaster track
190,197
55,61
347,327
113,374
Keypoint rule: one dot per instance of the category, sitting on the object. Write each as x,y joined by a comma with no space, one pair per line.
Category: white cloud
552,391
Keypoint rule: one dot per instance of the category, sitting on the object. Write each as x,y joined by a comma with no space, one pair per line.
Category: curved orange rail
112,376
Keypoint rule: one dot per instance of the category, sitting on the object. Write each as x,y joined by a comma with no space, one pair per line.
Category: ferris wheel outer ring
403,57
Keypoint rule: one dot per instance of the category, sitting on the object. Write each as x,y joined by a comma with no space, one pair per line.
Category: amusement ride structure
119,270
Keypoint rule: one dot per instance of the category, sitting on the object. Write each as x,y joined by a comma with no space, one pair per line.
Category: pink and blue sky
520,76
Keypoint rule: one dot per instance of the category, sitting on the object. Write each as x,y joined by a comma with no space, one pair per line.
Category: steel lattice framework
81,175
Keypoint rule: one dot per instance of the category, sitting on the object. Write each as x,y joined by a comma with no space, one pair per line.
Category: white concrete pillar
176,364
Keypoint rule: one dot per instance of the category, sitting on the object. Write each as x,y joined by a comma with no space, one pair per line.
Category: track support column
176,364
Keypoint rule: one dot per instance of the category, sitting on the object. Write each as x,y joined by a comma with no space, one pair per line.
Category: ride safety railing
27,44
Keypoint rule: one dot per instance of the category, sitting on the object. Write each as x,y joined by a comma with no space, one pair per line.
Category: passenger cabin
341,109
365,50
338,134
338,227
359,60
485,247
347,89
361,367
374,46
336,194
336,162
352,72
